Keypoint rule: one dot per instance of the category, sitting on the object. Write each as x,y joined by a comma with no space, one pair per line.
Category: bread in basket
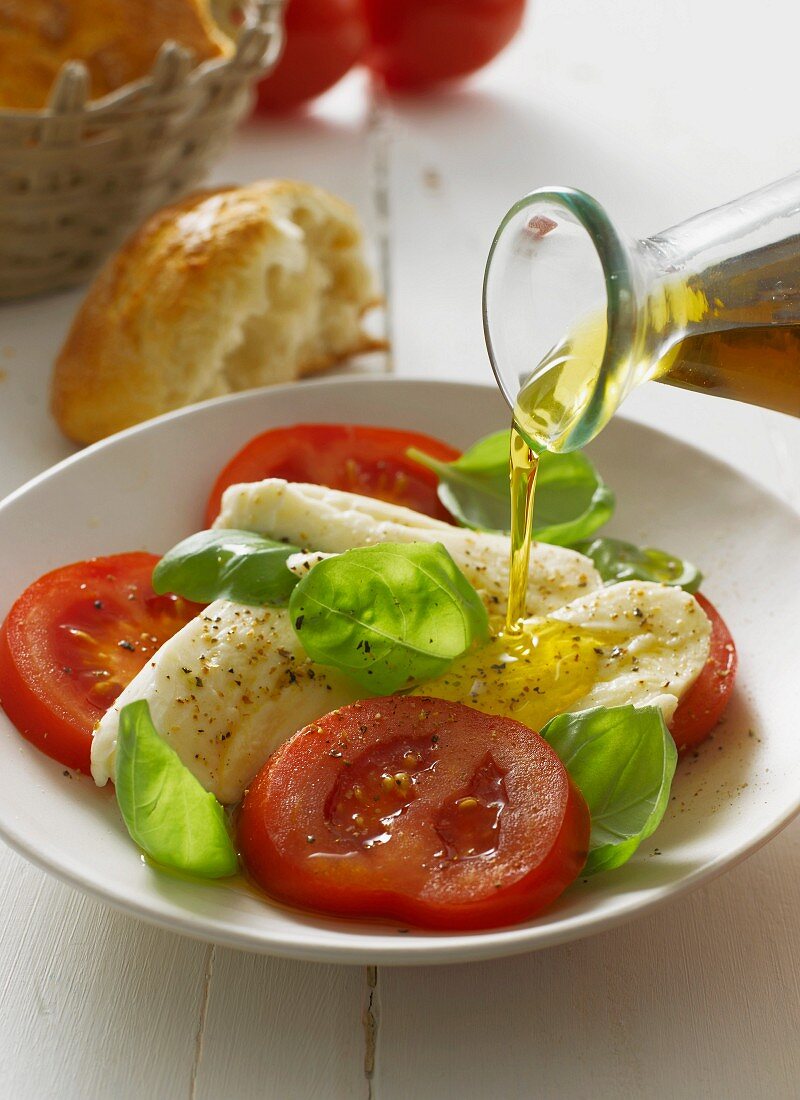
78,174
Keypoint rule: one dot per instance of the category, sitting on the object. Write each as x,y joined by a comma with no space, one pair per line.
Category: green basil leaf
488,455
475,488
572,501
237,565
390,615
622,759
616,560
167,811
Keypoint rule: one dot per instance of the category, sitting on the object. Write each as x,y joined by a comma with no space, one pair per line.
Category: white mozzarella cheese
657,641
224,692
331,521
636,643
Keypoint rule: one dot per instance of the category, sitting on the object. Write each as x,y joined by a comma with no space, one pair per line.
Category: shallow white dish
145,489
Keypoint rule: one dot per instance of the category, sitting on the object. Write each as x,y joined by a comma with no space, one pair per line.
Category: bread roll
117,39
225,290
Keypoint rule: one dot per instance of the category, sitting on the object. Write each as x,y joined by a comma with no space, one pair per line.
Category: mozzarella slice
634,642
331,521
224,692
657,641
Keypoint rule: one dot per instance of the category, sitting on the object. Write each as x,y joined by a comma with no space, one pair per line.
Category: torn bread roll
223,291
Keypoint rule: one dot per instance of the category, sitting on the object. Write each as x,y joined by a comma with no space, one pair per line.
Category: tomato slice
73,640
353,457
704,703
415,809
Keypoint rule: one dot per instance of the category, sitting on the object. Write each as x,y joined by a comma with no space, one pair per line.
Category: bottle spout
561,315
576,315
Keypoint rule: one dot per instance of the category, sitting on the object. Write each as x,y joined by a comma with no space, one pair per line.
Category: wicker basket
78,175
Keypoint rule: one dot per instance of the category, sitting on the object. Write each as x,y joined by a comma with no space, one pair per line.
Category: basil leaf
238,565
488,455
475,488
167,811
572,501
390,615
616,560
622,759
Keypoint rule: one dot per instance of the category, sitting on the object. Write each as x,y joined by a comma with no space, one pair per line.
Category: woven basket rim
262,15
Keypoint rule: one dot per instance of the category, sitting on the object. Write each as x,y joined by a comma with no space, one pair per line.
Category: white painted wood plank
96,1004
93,1004
31,334
641,105
276,1028
700,999
327,146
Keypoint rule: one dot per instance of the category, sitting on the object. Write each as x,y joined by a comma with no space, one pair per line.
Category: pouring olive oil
571,395
759,365
523,464
711,305
576,314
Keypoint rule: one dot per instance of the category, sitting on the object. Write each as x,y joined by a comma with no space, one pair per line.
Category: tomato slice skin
483,828
704,704
354,457
73,640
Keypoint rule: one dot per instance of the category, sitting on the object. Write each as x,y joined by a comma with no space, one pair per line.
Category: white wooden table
660,109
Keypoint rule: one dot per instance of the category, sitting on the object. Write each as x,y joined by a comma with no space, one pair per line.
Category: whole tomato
324,39
414,43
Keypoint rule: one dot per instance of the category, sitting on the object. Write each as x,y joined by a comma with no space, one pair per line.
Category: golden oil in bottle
566,402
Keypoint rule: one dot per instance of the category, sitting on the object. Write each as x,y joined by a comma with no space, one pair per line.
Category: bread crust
227,289
117,39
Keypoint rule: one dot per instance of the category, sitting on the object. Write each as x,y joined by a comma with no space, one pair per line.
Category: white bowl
145,489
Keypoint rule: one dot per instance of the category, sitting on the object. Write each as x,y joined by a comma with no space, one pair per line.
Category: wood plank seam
378,152
371,1022
201,1020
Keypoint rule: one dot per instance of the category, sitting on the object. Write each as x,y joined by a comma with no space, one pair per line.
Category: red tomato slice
704,703
415,809
421,42
358,459
324,39
73,640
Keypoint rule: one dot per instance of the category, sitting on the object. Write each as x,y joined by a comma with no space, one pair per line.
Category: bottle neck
735,266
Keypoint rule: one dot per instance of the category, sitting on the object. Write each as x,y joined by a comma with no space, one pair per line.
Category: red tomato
72,642
415,43
369,461
417,810
324,39
704,703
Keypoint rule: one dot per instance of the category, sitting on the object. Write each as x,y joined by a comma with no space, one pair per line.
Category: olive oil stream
756,364
523,465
